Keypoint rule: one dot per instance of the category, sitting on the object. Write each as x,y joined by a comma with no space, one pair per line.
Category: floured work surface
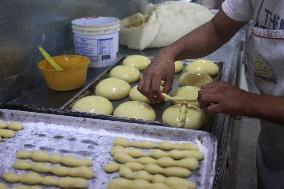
92,139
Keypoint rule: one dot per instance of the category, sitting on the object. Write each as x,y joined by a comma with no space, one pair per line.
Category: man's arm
221,97
200,42
207,38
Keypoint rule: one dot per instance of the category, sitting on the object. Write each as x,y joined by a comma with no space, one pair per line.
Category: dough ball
135,109
11,177
178,66
30,178
138,61
93,104
3,124
71,182
194,118
135,95
49,181
15,126
194,79
189,92
41,168
113,89
111,167
22,164
6,133
127,73
40,156
23,154
203,66
55,158
60,171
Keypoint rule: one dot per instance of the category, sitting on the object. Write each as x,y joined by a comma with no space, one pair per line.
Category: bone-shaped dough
13,125
43,156
166,145
169,183
82,172
187,163
157,153
35,179
3,186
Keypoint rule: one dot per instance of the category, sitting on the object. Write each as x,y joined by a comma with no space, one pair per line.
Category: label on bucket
100,49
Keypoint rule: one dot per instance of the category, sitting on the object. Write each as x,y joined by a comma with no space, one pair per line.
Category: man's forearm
268,108
205,39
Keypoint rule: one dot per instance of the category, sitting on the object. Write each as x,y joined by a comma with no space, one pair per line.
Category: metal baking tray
159,108
92,138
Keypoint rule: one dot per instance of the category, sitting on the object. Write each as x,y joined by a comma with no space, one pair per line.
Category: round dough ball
93,104
15,126
203,66
40,156
49,181
11,177
135,95
194,118
194,79
22,164
178,66
127,73
189,92
135,109
138,61
24,154
55,158
113,89
3,124
6,133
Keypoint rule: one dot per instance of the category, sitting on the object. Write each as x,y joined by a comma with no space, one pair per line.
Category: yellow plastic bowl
72,77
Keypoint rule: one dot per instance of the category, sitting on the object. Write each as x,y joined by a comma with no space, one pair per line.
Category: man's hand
161,68
220,97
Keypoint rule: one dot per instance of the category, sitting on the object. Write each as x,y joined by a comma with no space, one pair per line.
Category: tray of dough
157,108
59,151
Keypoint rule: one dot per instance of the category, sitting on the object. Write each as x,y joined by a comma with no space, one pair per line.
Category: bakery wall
27,24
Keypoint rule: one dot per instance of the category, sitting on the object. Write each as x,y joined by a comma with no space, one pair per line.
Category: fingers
215,108
207,99
168,84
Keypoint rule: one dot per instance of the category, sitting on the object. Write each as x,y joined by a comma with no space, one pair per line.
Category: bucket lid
95,23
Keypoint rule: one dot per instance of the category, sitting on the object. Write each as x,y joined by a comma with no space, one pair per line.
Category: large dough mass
113,89
138,61
93,104
193,118
203,66
126,73
135,109
162,24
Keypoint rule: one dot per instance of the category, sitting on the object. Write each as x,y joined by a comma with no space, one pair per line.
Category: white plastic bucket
97,38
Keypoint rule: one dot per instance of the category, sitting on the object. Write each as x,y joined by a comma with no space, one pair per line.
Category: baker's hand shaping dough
129,74
135,109
93,104
113,89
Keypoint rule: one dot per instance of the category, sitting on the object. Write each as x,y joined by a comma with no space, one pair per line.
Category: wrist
170,51
253,105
